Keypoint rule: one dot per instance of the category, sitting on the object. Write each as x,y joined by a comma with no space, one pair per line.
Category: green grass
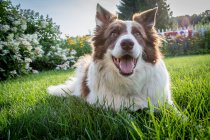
28,112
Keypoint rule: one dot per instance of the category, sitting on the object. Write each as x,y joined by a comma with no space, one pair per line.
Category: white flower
5,28
14,72
27,66
14,29
52,47
5,52
73,52
29,48
35,41
2,70
16,43
57,68
16,23
71,57
64,57
3,43
26,43
28,60
1,46
10,37
17,57
35,71
34,36
38,50
44,24
59,49
11,18
64,66
73,61
67,63
28,37
49,53
23,22
24,27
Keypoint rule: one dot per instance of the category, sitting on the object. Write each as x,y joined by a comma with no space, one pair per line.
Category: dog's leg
65,89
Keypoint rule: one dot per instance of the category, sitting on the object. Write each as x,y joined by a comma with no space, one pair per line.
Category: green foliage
206,39
128,7
181,45
80,44
28,112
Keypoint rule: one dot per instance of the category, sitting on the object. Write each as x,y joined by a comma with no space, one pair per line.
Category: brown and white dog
125,68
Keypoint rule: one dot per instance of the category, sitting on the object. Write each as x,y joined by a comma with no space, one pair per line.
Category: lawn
28,112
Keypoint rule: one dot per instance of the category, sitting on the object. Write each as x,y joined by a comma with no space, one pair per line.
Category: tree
195,19
128,7
184,21
205,17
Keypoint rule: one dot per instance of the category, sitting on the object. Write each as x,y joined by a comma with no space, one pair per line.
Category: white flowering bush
29,42
56,57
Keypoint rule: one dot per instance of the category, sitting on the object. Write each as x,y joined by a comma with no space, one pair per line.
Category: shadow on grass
66,118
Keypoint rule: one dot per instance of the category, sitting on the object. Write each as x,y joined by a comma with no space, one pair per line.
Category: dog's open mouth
125,64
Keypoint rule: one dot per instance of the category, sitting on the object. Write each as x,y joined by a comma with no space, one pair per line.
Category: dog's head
126,42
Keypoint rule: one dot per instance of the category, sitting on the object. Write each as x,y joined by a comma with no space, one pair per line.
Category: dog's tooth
114,59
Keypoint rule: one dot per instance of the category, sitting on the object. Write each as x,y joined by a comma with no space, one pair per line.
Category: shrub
57,58
30,42
207,39
182,45
80,44
17,49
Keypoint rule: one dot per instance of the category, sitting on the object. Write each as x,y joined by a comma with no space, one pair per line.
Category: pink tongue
126,65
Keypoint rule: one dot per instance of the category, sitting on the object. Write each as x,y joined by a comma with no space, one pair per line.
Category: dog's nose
127,44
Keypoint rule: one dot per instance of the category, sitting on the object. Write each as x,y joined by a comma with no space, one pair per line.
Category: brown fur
151,51
84,88
103,39
152,42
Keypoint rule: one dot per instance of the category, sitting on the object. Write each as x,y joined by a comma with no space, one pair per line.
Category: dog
125,69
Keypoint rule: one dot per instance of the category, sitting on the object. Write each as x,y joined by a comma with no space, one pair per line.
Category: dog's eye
114,34
137,34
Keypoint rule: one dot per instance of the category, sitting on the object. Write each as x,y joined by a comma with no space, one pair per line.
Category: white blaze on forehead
129,26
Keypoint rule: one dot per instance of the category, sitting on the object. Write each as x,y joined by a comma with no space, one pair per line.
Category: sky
77,17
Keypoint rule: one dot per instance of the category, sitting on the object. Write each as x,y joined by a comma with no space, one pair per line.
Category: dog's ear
103,16
146,18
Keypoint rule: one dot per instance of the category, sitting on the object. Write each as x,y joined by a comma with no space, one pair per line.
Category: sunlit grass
28,112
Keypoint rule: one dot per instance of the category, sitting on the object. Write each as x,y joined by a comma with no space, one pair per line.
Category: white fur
98,22
110,89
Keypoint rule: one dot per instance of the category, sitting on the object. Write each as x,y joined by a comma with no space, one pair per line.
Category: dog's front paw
57,91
